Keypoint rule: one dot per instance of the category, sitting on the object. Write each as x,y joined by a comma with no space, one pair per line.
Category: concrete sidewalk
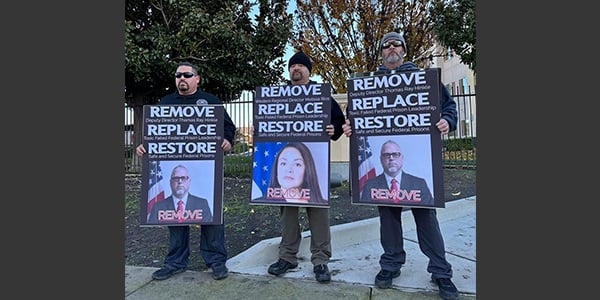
353,267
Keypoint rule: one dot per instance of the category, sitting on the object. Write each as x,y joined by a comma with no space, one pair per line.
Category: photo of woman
293,176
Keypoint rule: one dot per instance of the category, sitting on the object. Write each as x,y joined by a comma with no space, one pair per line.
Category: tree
342,36
232,52
455,27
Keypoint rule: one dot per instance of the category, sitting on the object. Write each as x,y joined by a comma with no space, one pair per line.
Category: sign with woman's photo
182,173
395,147
291,146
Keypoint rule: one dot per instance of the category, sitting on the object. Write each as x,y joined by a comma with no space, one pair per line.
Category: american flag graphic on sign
156,192
264,156
366,169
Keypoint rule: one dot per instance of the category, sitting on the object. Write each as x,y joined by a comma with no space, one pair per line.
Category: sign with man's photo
395,147
182,173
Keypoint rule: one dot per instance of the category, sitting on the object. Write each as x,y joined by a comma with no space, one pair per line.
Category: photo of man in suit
180,206
395,186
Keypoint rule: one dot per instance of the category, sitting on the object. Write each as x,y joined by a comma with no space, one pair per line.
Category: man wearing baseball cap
393,50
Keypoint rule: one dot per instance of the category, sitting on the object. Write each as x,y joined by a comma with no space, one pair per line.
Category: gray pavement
353,266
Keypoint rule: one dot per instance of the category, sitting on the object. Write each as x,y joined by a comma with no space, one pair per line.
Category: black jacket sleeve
449,108
229,131
337,119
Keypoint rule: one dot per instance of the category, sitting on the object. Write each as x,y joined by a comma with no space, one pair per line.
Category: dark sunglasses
179,178
184,74
393,155
390,43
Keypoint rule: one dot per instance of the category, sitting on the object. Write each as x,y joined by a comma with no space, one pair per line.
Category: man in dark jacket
212,237
300,68
393,49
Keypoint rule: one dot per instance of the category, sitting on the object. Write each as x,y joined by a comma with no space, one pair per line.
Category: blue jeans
428,234
212,246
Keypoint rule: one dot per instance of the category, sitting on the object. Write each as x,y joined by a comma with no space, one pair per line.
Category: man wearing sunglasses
393,50
212,237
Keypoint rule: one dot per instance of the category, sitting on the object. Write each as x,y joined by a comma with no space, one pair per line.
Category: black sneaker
383,280
448,290
220,271
322,273
166,272
280,267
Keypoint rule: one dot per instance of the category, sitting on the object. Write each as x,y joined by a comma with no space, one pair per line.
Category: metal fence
459,146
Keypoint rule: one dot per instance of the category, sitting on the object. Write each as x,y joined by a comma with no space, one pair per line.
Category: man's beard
179,192
183,87
393,58
297,76
393,169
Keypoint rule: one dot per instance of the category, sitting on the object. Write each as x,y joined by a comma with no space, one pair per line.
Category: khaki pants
291,235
